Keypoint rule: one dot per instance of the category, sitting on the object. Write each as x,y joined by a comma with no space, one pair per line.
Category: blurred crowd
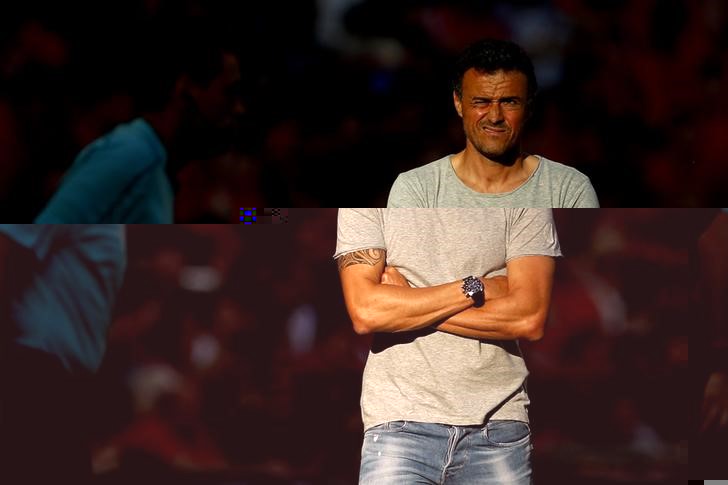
231,359
341,95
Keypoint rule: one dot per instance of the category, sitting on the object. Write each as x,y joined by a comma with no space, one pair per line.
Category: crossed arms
379,299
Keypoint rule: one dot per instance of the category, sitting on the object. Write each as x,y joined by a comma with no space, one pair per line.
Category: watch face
473,288
472,285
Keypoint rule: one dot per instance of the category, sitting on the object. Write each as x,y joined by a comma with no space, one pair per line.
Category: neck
166,124
486,175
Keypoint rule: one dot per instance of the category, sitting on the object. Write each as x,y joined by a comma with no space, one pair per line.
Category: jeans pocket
394,426
380,437
388,427
506,433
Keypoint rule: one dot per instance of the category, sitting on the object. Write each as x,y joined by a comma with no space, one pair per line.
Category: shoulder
131,148
358,219
415,188
129,156
562,171
569,186
359,229
430,171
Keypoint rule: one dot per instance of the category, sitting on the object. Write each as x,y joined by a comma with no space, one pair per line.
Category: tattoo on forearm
365,256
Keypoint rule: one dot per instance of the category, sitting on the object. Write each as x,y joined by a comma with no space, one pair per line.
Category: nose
495,114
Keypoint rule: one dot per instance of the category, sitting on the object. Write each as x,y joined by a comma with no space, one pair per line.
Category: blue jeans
405,452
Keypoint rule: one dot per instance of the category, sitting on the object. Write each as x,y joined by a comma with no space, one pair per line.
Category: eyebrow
505,98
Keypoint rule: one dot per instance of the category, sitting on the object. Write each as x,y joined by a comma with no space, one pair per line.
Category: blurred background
342,95
231,359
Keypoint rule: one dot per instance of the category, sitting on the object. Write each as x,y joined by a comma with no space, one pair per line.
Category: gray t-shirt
436,184
432,376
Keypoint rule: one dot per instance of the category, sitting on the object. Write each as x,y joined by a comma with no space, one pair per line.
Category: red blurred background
232,358
358,90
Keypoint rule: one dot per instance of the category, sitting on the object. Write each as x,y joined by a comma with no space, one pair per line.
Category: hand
715,403
495,287
391,276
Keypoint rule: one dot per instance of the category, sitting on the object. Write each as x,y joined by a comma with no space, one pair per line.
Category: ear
458,103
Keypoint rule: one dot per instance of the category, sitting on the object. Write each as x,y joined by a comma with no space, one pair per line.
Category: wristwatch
473,288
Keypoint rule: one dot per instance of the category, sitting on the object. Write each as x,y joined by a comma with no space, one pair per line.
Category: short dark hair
166,53
491,55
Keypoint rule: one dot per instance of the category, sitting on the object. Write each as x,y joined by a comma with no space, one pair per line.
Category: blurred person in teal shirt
59,284
186,83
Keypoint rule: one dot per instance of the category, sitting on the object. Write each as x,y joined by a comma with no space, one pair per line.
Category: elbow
362,313
534,334
533,328
361,328
362,321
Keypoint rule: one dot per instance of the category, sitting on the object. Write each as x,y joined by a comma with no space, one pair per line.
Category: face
494,110
219,103
210,124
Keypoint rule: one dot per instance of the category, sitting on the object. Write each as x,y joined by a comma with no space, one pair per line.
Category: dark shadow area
340,97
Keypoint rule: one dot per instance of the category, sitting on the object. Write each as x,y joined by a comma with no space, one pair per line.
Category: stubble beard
506,155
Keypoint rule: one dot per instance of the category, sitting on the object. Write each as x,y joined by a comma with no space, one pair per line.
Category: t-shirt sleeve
531,232
36,238
406,192
585,196
359,229
93,186
105,246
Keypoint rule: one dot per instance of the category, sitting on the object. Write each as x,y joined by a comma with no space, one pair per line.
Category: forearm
386,308
474,323
505,318
519,313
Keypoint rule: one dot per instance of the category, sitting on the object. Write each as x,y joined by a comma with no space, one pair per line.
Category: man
494,91
189,96
59,283
711,440
443,394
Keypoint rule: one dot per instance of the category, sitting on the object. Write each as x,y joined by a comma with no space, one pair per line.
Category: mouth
494,131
